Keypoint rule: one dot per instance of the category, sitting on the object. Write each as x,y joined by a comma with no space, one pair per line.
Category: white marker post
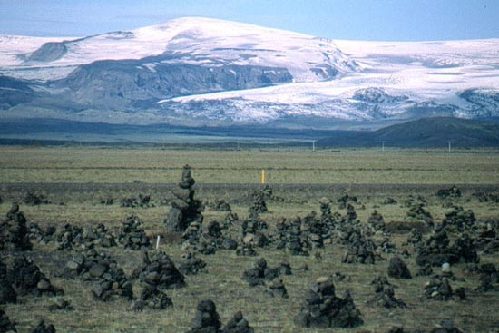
157,242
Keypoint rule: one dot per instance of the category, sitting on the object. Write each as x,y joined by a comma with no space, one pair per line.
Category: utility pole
313,145
383,146
449,146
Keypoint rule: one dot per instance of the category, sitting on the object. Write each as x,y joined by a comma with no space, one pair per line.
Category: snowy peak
201,41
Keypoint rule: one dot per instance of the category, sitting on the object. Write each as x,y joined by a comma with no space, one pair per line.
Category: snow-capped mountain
198,70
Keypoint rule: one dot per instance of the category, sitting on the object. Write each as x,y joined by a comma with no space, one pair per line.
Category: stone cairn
360,249
297,240
41,327
439,288
344,200
488,275
152,298
207,320
184,208
452,192
376,221
318,231
6,325
14,232
69,237
277,289
258,203
459,219
260,273
418,213
159,271
190,264
385,294
351,213
109,280
252,235
143,201
132,235
397,269
27,278
97,236
322,309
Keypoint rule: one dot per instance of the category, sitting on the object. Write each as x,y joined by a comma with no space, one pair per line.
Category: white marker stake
157,242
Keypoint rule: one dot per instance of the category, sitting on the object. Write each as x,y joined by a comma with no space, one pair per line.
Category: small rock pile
33,199
488,275
258,203
36,233
159,271
14,233
207,320
376,221
6,325
41,327
260,273
385,294
27,278
439,288
459,219
143,201
98,236
132,235
110,281
351,213
397,269
297,240
418,213
220,206
452,192
184,208
344,200
69,237
360,250
318,231
152,298
277,289
322,309
190,264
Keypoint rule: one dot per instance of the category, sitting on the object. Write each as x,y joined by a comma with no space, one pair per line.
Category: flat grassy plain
82,176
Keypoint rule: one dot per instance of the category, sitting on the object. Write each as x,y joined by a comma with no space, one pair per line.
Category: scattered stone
322,309
132,235
184,208
43,328
152,298
207,319
397,269
14,232
237,324
159,271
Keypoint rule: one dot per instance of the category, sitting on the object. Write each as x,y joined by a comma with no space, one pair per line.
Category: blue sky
346,19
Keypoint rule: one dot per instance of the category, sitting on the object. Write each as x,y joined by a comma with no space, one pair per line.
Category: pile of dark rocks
297,241
486,196
152,298
220,206
459,219
439,288
110,281
317,229
184,208
397,269
258,203
385,294
260,273
277,289
418,213
488,276
37,234
190,264
33,199
14,233
132,235
323,309
98,236
6,325
207,320
159,271
452,192
360,249
69,237
376,221
27,278
142,201
344,200
351,213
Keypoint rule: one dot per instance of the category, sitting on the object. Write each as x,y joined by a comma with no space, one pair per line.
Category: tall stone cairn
185,208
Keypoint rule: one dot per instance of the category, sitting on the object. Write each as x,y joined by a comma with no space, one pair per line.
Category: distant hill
426,132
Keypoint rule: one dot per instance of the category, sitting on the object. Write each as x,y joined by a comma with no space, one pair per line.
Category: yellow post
262,177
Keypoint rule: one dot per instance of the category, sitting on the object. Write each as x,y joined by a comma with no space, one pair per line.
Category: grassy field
369,169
